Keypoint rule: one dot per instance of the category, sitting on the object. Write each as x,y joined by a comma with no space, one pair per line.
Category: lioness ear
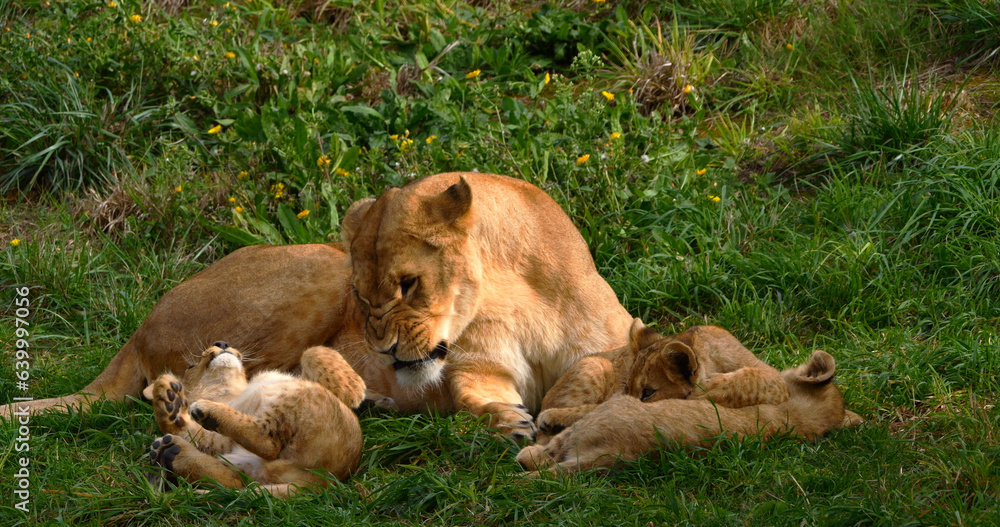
640,336
451,205
681,359
352,220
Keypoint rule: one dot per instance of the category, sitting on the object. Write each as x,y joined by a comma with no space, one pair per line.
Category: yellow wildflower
688,89
230,55
302,214
431,139
15,242
135,18
214,23
472,74
242,175
598,1
394,137
89,39
178,188
238,210
112,4
232,199
582,159
547,78
714,198
701,171
406,144
215,129
341,172
614,135
323,161
608,95
278,189
789,46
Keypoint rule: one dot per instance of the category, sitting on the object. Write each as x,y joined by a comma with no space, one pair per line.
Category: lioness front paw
170,408
513,420
201,412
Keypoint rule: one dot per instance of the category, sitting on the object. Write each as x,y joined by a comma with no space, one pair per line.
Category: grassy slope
827,182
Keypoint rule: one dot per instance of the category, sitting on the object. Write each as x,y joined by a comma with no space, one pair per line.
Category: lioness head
415,273
218,374
664,367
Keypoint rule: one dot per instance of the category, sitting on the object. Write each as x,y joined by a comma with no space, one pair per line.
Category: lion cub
276,428
625,428
703,362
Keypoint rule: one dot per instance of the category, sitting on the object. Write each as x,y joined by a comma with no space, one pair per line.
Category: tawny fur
625,428
500,277
276,428
703,362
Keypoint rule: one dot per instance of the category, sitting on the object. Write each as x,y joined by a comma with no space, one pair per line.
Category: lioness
625,427
703,362
473,291
276,428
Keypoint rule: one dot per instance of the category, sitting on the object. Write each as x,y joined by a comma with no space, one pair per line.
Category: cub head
664,367
218,375
415,273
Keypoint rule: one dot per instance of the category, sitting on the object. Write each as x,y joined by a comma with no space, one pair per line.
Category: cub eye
647,393
407,284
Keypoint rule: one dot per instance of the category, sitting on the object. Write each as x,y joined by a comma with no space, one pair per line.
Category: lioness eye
647,393
406,284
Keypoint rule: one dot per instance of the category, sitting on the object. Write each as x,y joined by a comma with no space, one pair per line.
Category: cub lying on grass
277,428
702,362
625,428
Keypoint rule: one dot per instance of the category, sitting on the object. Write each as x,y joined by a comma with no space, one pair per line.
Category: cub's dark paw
201,413
162,453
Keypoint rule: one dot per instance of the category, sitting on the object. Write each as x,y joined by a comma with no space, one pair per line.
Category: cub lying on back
277,428
625,428
703,362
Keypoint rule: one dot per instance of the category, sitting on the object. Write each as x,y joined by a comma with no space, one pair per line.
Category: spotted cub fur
704,362
276,428
625,428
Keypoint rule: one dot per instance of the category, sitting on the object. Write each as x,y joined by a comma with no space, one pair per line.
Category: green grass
831,180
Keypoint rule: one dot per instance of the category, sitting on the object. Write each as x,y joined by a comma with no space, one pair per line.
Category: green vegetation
806,173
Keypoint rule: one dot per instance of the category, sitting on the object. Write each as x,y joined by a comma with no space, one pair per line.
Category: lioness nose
221,344
391,351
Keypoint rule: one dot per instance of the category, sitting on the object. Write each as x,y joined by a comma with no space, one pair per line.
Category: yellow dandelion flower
278,189
431,139
135,18
178,188
230,55
582,159
406,144
598,1
242,175
472,74
302,214
112,4
89,39
547,78
394,137
789,46
238,210
214,23
215,129
614,135
15,242
714,198
701,171
323,161
608,95
341,172
228,5
688,89
232,199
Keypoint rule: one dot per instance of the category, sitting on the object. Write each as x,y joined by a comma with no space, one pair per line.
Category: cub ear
352,220
680,358
148,392
819,369
640,336
453,204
